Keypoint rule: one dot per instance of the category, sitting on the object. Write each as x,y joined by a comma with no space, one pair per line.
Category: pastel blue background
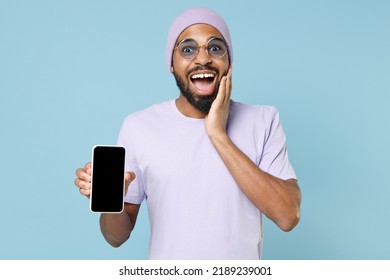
70,71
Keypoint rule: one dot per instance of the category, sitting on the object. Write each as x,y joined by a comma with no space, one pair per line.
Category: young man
207,166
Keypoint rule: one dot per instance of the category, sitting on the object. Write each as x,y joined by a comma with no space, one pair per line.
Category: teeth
202,76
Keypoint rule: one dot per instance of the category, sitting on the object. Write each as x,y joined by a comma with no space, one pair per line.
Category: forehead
199,32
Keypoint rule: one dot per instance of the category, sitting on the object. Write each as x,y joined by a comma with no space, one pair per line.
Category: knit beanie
194,16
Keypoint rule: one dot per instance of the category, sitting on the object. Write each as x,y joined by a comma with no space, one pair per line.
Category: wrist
219,138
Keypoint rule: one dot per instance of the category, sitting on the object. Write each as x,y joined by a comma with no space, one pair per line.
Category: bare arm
116,228
278,199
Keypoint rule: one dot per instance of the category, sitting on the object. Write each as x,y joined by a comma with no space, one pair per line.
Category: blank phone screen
108,168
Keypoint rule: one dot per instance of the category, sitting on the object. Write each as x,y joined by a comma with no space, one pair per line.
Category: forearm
278,199
116,228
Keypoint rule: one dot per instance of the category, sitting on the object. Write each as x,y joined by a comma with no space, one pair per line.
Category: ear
172,70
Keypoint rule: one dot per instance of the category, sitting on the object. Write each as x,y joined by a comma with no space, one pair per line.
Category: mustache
201,68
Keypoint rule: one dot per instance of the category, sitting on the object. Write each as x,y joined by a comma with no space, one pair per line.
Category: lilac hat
193,16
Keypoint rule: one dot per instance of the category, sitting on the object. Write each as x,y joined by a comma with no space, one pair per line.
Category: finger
221,91
88,168
82,184
83,175
77,182
129,177
229,84
85,192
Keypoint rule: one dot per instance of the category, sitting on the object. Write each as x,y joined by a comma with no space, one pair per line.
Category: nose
202,57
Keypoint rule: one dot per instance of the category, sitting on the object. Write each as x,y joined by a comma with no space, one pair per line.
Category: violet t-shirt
196,209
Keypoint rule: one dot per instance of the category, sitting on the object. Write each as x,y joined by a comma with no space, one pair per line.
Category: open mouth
204,82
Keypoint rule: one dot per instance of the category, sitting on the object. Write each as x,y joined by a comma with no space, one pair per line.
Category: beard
200,102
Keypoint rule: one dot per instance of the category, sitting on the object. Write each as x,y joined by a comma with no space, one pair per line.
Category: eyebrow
192,39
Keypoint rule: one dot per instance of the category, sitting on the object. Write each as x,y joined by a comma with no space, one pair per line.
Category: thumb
129,177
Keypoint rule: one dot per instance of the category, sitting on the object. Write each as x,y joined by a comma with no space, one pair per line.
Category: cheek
178,64
179,69
224,69
224,65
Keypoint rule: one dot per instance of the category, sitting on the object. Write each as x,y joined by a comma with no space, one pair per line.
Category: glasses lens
188,49
216,48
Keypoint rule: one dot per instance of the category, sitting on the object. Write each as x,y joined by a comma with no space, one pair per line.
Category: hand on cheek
216,120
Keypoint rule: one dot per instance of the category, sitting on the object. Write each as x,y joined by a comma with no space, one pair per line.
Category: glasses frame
205,46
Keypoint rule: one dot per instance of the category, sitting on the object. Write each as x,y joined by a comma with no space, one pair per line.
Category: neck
187,109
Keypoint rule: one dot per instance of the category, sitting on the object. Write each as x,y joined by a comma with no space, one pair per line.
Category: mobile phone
108,179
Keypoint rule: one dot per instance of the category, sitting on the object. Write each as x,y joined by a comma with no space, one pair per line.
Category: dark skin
278,199
116,228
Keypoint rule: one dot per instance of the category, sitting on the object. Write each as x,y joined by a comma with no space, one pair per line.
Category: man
207,166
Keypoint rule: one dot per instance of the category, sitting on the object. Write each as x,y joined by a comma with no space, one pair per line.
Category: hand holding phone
108,179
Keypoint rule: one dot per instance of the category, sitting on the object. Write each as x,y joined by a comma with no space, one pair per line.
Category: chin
201,102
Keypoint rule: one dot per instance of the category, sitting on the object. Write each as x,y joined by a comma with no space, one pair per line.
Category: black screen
108,164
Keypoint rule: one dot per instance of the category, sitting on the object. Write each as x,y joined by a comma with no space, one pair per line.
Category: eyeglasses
189,48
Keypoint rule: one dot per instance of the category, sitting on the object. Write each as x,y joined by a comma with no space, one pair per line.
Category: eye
187,49
214,48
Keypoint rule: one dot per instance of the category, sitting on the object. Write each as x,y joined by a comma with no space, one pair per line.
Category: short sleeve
274,159
135,193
